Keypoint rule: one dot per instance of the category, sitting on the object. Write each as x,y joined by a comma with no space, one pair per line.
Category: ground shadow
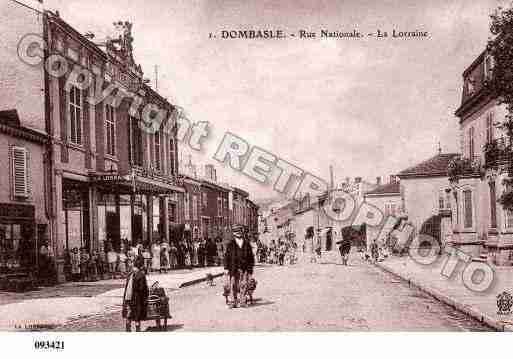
170,328
337,264
257,302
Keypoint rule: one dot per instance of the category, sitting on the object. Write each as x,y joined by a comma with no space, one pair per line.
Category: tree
500,85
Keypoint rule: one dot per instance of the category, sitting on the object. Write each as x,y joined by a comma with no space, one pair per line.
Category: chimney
357,180
378,181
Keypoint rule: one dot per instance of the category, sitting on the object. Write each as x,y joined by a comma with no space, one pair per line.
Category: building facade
112,178
24,202
426,197
481,226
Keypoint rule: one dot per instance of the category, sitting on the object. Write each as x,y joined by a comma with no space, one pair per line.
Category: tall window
488,67
219,207
172,156
157,150
110,130
75,116
457,208
471,143
441,200
493,206
136,142
509,218
204,199
467,208
489,127
186,204
20,172
195,207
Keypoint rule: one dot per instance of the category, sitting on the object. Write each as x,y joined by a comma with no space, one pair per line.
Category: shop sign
16,210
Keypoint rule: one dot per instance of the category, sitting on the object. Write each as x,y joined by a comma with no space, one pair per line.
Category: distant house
386,197
425,192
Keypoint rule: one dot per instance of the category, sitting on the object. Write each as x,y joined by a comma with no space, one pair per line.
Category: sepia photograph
260,167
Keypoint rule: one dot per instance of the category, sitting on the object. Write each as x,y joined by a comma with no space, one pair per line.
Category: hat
237,230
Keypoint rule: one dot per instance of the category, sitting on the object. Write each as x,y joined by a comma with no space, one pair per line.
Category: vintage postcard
255,166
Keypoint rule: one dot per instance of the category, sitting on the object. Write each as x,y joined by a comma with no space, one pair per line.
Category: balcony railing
497,153
464,167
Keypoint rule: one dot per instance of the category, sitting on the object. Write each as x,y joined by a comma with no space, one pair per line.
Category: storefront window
76,214
156,235
125,219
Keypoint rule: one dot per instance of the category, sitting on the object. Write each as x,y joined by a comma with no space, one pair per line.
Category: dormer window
470,86
488,67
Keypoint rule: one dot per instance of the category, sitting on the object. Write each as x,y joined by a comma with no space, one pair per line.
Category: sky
368,107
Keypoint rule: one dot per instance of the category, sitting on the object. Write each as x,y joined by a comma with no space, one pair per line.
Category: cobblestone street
305,297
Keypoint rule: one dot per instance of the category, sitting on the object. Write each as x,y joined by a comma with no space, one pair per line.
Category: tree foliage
500,84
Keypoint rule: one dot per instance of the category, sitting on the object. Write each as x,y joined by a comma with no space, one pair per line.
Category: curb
198,280
464,308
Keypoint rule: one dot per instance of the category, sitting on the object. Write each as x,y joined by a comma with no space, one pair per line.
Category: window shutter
20,172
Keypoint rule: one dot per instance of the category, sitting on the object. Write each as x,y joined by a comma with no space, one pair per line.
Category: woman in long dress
135,297
155,259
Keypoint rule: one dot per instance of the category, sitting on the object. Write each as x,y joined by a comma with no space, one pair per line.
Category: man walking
238,264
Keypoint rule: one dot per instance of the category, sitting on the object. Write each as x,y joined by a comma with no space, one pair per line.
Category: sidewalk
54,306
452,291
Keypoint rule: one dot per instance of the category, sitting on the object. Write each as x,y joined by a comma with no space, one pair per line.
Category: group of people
108,263
277,252
238,259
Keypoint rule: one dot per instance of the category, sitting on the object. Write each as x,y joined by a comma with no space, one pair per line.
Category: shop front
18,240
131,211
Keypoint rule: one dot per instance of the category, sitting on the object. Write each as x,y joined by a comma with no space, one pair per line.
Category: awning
134,184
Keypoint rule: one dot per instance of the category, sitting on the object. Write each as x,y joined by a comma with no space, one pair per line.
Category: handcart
158,306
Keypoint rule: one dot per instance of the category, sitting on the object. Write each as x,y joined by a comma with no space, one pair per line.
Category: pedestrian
310,244
112,259
93,266
164,257
173,256
282,250
102,264
75,264
374,251
147,258
155,257
201,253
135,296
123,258
238,265
84,264
345,248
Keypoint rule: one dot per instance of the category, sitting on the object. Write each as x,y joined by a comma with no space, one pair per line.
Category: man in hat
238,264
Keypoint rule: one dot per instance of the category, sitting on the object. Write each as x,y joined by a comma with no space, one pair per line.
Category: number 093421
49,345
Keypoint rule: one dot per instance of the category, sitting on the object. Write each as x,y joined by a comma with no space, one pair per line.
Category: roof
386,189
433,167
10,124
